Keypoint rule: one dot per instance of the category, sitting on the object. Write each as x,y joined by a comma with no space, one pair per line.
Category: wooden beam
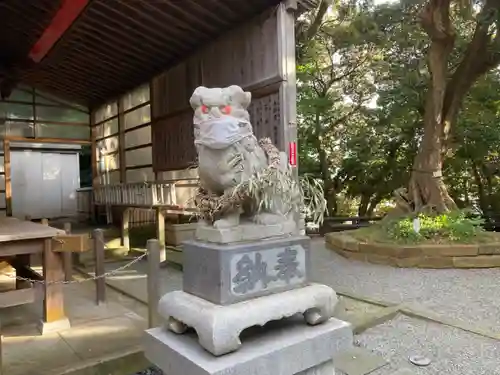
64,18
16,298
8,177
46,140
62,123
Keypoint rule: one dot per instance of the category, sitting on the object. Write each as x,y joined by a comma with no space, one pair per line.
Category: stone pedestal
228,290
287,347
219,327
226,274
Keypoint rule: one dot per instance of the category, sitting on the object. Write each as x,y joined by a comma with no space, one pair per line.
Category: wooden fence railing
174,193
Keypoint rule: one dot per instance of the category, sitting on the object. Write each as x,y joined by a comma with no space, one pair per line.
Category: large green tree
415,136
448,86
334,86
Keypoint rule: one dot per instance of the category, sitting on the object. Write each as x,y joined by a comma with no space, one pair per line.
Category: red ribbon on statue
292,153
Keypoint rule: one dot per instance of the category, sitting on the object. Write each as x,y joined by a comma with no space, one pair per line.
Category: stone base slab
244,232
219,327
226,274
53,327
287,347
418,256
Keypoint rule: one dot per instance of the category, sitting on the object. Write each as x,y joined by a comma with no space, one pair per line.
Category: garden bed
485,253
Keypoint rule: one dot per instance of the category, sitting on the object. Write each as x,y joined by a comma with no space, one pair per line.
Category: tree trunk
427,191
483,202
373,204
426,188
363,204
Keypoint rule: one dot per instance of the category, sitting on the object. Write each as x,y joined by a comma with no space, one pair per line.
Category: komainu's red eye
226,109
204,109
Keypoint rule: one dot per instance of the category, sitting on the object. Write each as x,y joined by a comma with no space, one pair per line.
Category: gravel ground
452,351
472,296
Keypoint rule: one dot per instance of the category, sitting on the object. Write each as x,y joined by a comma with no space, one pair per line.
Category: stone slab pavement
97,334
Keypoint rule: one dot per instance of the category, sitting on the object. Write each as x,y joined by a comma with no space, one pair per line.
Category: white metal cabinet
44,184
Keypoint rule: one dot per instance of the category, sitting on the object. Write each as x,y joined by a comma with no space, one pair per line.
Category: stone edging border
485,255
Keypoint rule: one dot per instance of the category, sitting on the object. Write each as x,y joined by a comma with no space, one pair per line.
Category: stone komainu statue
231,160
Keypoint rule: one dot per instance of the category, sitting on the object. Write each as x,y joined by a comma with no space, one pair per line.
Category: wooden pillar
160,232
35,117
68,257
125,234
288,89
154,256
1,350
53,303
8,178
121,143
94,161
100,282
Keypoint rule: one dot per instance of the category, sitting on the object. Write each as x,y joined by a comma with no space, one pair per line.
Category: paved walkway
98,333
470,297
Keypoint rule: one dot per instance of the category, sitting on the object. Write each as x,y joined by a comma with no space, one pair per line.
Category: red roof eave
63,19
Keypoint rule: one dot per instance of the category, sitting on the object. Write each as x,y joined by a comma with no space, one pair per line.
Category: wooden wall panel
243,57
173,142
108,145
248,57
265,117
138,137
139,157
140,175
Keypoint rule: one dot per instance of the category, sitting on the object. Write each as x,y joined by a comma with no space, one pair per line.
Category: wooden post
153,248
160,232
288,89
53,274
125,240
44,222
94,161
68,257
121,144
1,351
8,178
100,283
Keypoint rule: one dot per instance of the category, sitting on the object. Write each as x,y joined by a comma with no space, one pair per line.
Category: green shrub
459,226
